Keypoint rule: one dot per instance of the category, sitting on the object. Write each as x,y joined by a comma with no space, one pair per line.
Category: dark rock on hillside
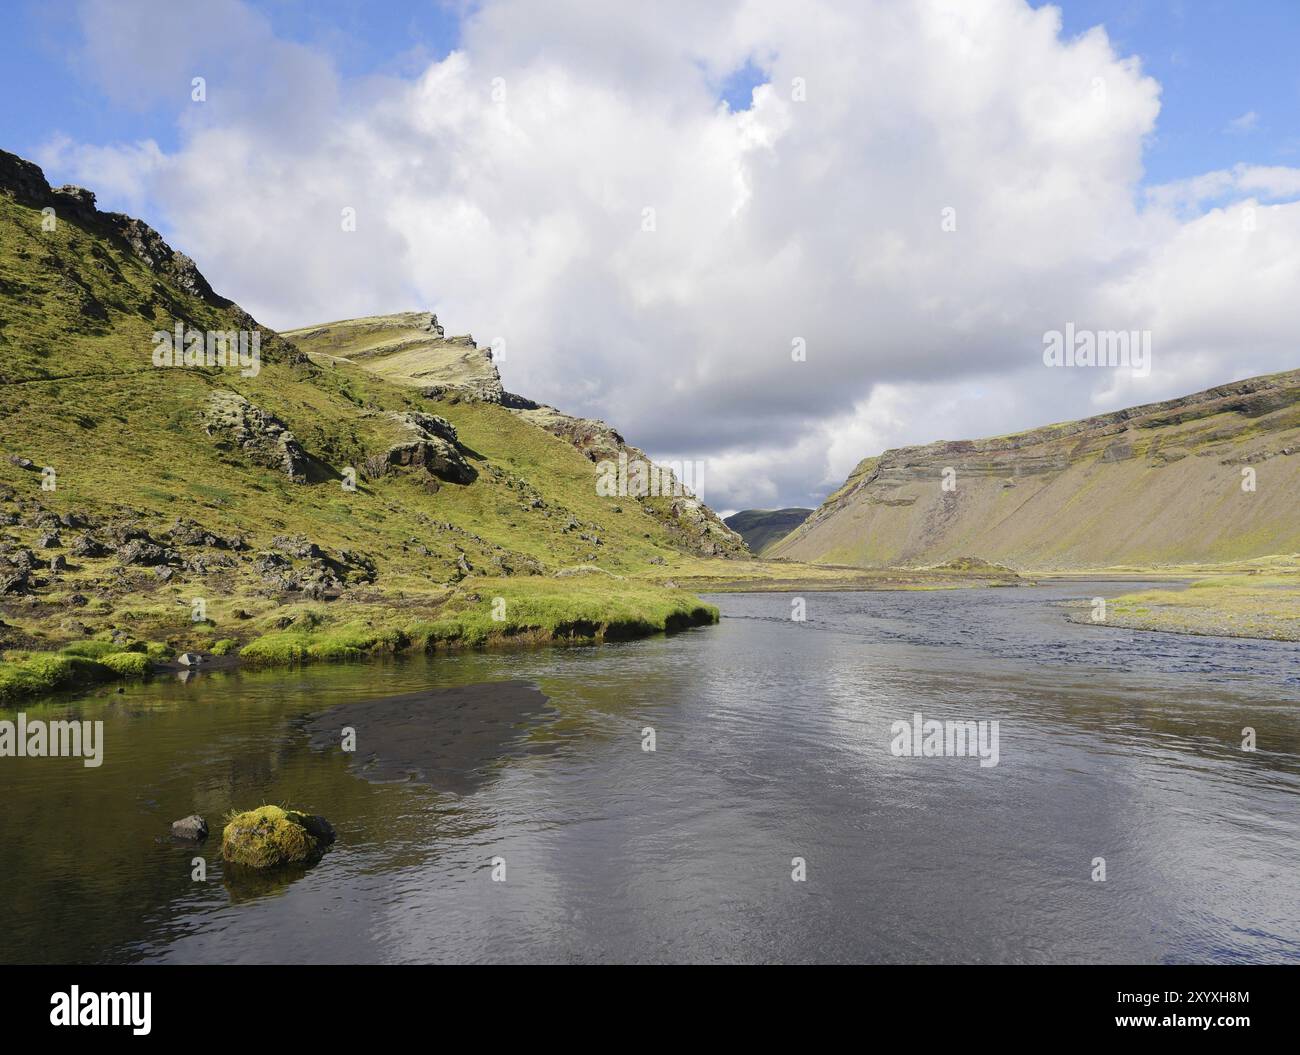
432,445
188,533
15,581
88,546
142,552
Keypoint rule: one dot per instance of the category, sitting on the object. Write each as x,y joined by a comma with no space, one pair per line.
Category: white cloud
820,219
1244,123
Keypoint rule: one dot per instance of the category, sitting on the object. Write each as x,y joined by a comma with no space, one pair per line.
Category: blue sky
1217,61
397,37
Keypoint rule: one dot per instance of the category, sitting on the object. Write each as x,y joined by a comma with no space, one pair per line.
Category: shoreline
523,613
1203,602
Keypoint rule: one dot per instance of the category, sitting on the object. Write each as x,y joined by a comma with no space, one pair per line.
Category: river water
772,742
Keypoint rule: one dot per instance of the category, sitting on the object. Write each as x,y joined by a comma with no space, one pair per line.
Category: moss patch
270,837
27,674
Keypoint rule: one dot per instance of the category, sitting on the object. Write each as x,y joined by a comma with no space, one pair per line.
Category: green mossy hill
761,528
193,505
1206,478
273,837
410,349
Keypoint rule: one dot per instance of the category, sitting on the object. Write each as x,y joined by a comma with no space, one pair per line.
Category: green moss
268,837
40,673
91,649
224,647
500,610
127,664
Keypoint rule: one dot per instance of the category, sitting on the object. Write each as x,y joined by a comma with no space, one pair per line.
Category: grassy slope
1161,490
80,394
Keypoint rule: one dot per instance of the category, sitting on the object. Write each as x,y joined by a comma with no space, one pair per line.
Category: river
772,742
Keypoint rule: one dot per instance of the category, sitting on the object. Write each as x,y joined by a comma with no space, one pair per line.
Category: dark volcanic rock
141,552
88,546
433,446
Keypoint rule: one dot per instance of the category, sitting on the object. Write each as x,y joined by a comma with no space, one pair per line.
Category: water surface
772,742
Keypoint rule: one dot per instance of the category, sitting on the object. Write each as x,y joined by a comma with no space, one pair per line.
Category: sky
770,238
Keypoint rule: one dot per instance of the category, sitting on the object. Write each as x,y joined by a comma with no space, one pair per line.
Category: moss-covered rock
271,837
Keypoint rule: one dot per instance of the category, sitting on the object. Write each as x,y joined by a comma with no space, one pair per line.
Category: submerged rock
271,837
192,827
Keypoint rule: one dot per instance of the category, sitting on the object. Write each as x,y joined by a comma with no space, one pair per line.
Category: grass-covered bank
1258,598
590,607
586,606
710,575
1233,606
25,674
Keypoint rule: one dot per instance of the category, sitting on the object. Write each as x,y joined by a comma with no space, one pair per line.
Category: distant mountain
762,527
1209,477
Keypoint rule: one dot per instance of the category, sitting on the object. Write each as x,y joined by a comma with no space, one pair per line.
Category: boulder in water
272,837
192,827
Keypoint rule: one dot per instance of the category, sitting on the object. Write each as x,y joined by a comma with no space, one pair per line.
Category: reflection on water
451,739
772,743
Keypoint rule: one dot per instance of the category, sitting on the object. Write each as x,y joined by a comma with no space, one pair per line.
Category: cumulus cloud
915,194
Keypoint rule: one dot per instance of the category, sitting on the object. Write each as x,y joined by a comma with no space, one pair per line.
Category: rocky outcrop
597,440
263,437
294,564
429,443
26,182
409,348
691,524
1155,484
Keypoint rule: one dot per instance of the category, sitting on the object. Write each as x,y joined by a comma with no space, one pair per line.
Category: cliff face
1161,483
409,348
